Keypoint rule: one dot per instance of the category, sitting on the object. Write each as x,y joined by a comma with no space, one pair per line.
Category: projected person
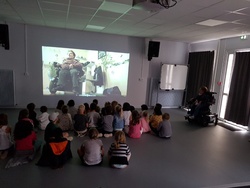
97,77
70,69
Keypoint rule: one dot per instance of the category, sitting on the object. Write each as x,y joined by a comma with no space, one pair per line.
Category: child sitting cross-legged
6,143
119,152
91,151
135,126
164,129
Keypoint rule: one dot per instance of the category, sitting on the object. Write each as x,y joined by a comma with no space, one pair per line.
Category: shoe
82,134
108,135
191,117
70,138
100,135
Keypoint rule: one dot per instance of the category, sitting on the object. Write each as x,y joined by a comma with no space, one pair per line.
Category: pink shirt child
135,130
145,125
145,121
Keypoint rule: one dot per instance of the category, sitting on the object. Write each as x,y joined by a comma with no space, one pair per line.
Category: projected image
79,72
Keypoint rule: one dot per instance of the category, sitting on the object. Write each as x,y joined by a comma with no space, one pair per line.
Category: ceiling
121,17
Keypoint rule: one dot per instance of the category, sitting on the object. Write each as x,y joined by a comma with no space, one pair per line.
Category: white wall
27,64
25,59
170,53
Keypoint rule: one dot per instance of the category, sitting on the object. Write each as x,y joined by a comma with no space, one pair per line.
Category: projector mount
165,3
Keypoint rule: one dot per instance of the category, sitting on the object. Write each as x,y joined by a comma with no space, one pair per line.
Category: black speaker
153,49
4,36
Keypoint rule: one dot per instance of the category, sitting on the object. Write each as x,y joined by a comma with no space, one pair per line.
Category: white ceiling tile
119,17
231,17
82,10
54,15
86,3
54,6
154,21
145,25
55,1
100,21
76,18
245,11
127,2
75,26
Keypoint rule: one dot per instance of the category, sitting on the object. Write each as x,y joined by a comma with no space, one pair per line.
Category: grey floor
195,157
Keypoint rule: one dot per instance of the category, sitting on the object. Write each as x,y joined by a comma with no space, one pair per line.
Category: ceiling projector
147,5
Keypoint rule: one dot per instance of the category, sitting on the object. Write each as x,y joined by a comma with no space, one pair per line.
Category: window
226,86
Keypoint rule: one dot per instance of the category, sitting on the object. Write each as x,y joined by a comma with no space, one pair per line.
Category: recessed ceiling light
95,27
212,22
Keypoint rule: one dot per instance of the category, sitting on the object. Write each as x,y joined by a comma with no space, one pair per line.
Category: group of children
86,119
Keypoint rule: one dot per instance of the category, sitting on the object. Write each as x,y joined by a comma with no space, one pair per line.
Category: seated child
126,116
24,115
25,139
144,122
80,121
65,120
144,107
156,118
164,129
5,137
118,123
135,126
43,118
119,152
91,151
26,144
72,109
32,114
56,152
49,131
94,117
108,122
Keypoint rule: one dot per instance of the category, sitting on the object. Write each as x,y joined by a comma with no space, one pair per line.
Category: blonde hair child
119,152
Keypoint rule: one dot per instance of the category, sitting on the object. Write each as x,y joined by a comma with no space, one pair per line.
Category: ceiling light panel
94,27
115,7
107,14
211,22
